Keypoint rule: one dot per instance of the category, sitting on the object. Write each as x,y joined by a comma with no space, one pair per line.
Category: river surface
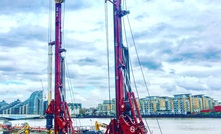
166,125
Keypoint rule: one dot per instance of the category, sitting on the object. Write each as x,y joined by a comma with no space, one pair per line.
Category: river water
156,126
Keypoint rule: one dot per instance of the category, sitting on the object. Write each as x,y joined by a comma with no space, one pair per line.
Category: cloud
22,36
151,63
78,5
87,61
24,6
178,43
191,83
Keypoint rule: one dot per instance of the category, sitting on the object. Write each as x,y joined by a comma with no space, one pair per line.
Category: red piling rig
58,107
126,120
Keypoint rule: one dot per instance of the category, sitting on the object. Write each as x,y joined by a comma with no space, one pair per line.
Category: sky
178,44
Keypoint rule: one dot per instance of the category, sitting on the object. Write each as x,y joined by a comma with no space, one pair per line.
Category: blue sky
178,42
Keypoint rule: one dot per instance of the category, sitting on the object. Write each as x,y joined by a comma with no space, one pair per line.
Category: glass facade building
35,104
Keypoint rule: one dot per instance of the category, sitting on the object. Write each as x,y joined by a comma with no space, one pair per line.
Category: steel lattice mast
58,108
126,106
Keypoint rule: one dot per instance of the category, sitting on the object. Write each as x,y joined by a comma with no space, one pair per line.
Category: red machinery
58,108
126,106
217,108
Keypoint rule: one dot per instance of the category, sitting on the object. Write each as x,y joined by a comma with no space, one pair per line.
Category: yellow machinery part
59,1
98,125
27,129
49,131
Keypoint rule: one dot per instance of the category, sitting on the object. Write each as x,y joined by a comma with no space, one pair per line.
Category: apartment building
182,103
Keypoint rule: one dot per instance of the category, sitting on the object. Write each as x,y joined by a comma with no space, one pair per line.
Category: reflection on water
167,125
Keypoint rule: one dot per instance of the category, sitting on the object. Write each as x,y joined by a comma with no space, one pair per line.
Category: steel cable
107,43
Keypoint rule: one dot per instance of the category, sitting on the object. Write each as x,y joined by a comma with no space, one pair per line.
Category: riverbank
160,116
144,116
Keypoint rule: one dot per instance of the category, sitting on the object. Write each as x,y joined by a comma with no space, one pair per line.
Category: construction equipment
58,108
126,105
